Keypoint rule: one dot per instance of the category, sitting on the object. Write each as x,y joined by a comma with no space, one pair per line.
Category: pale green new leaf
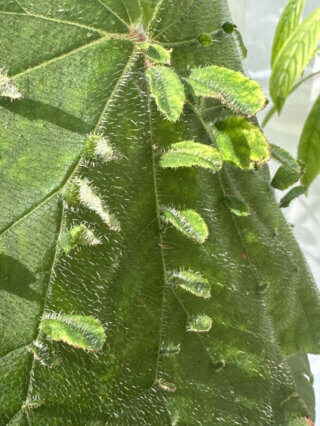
189,153
289,21
293,58
76,330
167,90
309,145
241,143
7,88
236,91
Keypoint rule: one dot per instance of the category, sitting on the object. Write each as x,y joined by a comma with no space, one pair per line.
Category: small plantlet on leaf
170,350
166,386
98,146
191,281
188,222
241,143
76,330
200,324
167,90
81,192
7,88
189,153
78,236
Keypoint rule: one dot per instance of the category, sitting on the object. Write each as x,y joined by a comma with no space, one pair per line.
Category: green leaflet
76,330
189,222
293,58
189,153
192,282
284,178
285,158
241,143
238,207
167,90
159,54
97,146
78,236
80,191
7,88
200,324
237,92
309,145
295,192
289,21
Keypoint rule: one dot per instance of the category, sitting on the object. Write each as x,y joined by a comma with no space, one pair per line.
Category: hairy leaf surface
172,353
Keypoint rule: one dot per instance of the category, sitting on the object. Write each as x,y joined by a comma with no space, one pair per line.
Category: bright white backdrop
257,21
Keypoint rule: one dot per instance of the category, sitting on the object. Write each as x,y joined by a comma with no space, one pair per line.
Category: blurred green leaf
309,145
288,22
293,58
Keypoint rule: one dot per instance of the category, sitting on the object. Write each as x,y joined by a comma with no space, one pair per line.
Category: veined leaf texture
173,329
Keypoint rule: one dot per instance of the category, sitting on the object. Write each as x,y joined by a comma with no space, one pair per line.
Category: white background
257,20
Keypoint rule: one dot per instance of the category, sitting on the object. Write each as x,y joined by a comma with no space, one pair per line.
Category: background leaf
309,145
293,58
288,22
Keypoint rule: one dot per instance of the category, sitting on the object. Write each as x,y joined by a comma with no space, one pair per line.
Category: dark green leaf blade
237,92
309,145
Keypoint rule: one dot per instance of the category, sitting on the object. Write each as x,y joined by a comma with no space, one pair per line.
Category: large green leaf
83,235
309,145
293,58
289,20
